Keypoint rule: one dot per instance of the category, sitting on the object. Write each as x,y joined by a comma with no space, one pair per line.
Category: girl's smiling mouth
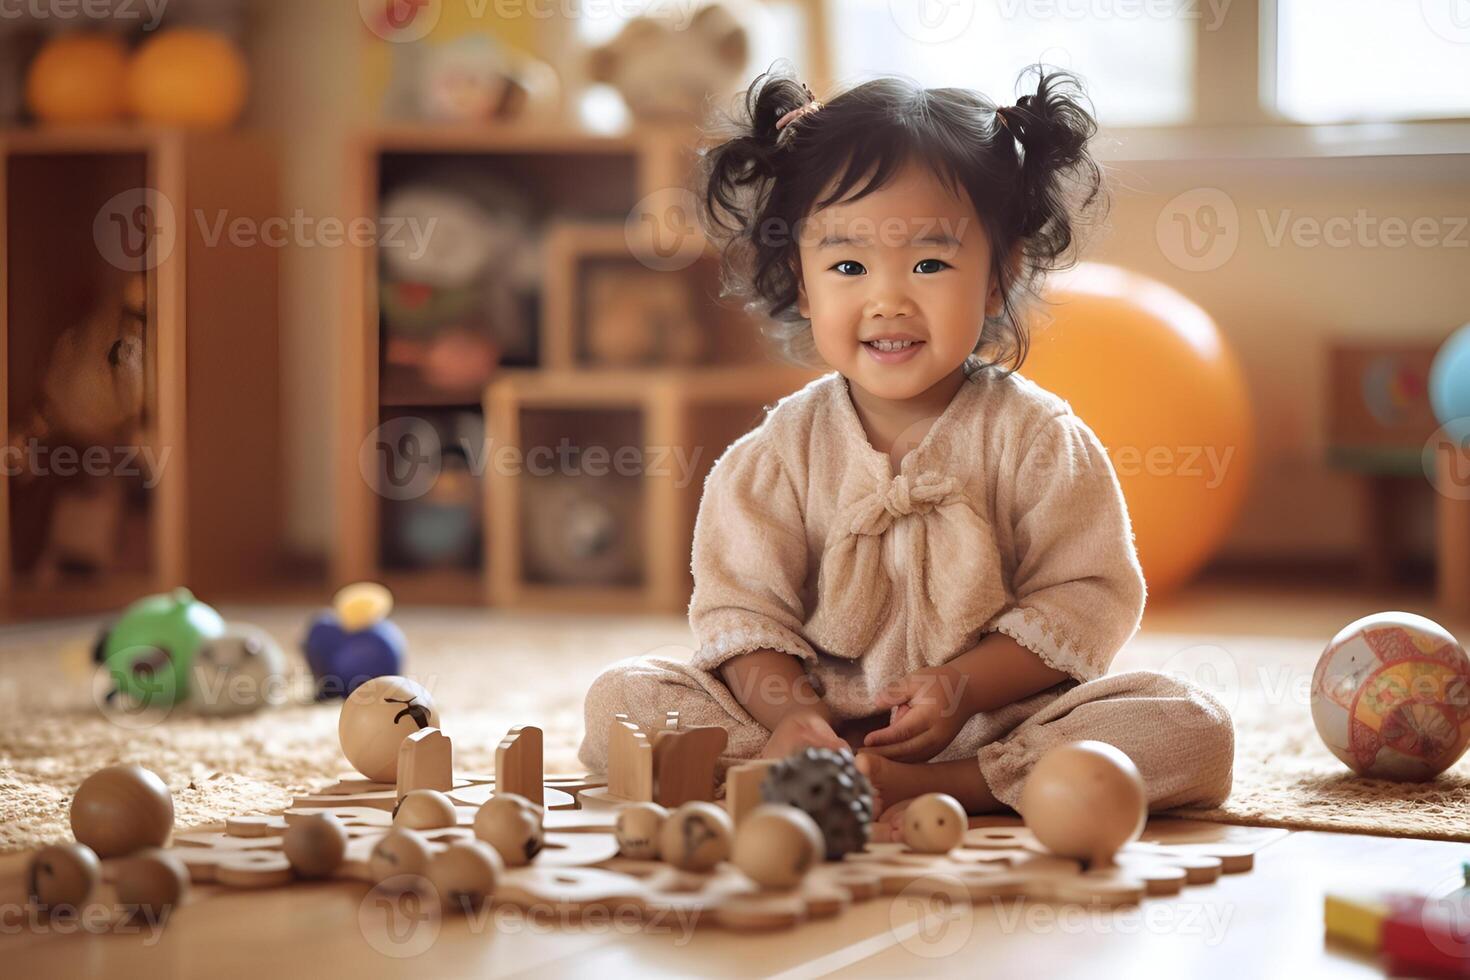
892,350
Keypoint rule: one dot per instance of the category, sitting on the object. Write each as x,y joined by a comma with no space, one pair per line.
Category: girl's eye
935,265
856,270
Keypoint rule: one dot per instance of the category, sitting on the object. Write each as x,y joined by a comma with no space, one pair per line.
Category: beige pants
1180,737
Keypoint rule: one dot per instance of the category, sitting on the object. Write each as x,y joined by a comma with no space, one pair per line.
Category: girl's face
897,285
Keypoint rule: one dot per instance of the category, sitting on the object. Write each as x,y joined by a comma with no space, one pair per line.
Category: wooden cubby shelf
105,244
558,521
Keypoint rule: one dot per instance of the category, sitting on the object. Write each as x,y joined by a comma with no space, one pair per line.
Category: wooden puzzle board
580,869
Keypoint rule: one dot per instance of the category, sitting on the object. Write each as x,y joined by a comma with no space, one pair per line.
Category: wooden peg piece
425,761
629,762
743,787
684,764
518,764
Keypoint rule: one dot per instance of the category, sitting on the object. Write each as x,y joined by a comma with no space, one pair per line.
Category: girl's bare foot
895,783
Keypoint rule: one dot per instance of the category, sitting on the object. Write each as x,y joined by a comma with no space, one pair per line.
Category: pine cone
829,787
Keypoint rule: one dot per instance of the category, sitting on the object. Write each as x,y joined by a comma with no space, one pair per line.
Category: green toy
150,650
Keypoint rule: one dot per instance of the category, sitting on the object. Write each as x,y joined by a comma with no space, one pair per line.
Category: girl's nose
888,300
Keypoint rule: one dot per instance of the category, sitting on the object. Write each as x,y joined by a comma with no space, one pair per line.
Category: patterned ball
829,787
1391,697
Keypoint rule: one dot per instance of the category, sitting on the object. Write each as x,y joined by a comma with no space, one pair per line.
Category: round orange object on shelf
1149,371
188,77
78,78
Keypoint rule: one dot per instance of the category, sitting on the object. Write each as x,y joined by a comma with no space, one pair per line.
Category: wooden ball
62,876
935,823
777,844
696,837
315,845
511,828
637,830
121,809
424,809
465,875
398,853
1084,800
375,719
151,883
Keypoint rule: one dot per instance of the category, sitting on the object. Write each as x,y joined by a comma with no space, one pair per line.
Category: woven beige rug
491,671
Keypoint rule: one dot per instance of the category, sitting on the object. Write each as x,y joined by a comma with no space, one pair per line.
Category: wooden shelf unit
212,521
587,185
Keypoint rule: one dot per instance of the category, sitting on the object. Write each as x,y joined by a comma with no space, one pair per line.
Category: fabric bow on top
946,556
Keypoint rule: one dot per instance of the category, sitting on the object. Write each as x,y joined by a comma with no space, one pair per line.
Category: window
1137,57
1363,60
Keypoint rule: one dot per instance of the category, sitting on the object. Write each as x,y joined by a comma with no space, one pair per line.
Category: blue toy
354,641
1449,385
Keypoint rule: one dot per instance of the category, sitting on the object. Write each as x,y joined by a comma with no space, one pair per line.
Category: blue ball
1449,385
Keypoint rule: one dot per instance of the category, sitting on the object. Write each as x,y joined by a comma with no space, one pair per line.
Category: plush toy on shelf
471,79
453,299
637,316
667,70
93,383
354,641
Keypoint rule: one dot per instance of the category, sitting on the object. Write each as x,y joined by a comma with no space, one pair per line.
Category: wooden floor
1264,923
1267,922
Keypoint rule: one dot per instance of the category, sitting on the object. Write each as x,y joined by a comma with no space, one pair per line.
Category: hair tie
784,128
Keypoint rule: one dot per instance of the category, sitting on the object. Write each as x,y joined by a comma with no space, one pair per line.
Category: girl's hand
802,728
928,709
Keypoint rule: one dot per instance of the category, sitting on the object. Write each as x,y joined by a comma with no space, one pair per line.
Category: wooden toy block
425,761
518,763
673,766
684,764
629,762
743,787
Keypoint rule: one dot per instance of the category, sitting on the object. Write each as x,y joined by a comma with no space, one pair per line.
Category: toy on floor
150,650
354,641
376,717
121,809
150,882
758,872
241,670
1084,800
934,823
465,874
671,766
61,877
512,825
696,836
315,846
637,830
1414,934
777,844
1391,697
829,787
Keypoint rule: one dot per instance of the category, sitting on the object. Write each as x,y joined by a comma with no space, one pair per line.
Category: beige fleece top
1006,517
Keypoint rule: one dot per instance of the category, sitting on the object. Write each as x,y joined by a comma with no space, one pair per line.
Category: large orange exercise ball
78,78
188,77
1149,371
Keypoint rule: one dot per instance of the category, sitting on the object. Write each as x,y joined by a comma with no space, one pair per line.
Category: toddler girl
922,555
